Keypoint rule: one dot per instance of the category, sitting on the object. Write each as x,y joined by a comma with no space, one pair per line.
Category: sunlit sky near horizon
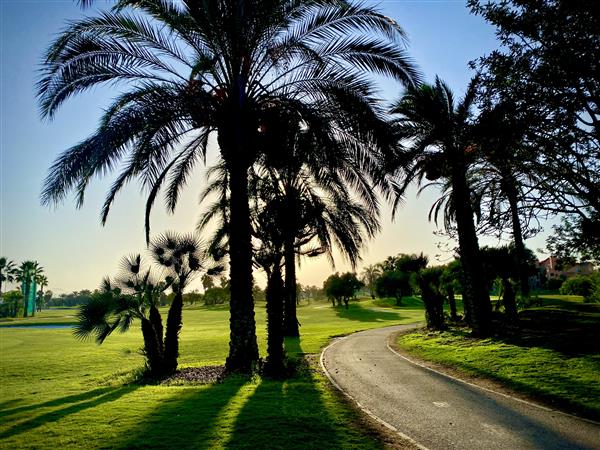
72,246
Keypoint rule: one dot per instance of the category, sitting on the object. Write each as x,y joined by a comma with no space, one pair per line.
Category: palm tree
268,257
369,277
183,256
7,271
197,67
324,217
436,134
505,174
300,159
27,274
42,282
133,294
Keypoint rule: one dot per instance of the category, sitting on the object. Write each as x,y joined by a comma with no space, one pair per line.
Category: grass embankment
554,357
57,392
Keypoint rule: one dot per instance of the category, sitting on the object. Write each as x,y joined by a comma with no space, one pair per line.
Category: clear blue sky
72,246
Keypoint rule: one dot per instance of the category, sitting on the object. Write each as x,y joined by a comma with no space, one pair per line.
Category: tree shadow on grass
293,348
9,404
51,403
90,400
294,414
572,332
194,418
361,314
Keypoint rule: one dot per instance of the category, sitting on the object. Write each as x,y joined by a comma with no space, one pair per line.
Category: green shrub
588,286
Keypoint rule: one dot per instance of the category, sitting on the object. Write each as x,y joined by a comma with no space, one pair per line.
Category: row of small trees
402,275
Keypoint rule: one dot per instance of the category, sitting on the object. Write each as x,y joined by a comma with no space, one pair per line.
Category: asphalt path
435,411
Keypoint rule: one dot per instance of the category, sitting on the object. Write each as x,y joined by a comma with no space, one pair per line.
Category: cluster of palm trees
31,275
135,294
306,148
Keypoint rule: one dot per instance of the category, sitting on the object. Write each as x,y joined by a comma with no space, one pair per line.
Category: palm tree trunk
156,321
290,319
153,358
510,190
510,304
275,363
26,302
452,303
474,291
243,349
174,320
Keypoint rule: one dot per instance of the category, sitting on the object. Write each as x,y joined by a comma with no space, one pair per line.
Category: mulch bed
204,374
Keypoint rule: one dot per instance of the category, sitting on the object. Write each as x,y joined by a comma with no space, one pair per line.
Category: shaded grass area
59,392
554,355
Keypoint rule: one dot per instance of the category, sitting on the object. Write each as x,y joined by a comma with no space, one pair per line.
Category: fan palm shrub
135,294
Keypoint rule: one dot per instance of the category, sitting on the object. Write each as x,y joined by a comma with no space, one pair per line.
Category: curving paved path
438,412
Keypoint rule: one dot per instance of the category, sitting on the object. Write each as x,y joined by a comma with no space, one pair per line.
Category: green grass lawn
57,392
555,356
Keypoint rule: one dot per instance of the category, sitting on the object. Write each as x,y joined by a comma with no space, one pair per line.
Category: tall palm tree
27,274
324,219
7,271
42,282
504,175
299,158
369,276
435,135
197,67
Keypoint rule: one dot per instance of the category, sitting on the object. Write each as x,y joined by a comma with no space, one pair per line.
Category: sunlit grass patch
57,392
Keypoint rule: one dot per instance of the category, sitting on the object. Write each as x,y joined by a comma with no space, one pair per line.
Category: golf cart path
435,411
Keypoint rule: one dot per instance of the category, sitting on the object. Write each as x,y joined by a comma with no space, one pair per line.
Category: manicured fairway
58,392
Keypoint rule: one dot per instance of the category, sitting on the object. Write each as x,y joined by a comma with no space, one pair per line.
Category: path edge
392,335
361,407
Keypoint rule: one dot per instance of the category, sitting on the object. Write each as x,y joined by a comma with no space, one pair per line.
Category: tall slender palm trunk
233,142
510,190
474,291
290,319
275,353
452,303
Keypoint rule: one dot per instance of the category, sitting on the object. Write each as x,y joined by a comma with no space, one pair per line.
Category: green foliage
576,238
430,284
340,288
587,286
75,298
12,304
548,70
216,296
394,283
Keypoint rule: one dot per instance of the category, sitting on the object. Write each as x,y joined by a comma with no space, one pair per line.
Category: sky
72,246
